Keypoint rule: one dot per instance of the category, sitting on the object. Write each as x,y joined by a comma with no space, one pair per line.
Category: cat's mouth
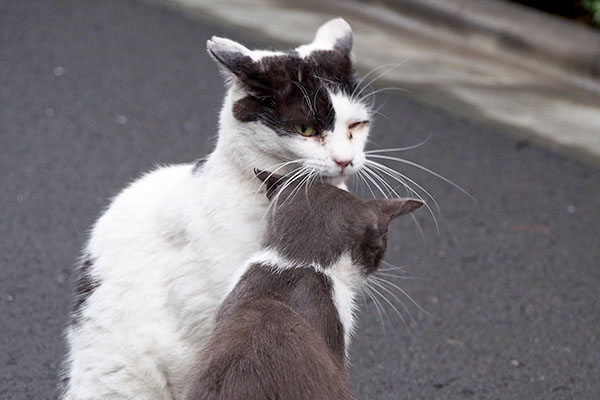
308,172
337,177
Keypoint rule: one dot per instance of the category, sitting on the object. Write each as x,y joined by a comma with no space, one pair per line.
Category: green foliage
593,6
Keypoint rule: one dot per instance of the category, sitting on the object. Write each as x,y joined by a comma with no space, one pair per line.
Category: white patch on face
338,153
326,37
346,144
255,145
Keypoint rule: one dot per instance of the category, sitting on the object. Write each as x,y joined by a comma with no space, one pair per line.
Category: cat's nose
343,164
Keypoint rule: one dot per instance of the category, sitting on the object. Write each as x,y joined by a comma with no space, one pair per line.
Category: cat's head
319,223
301,104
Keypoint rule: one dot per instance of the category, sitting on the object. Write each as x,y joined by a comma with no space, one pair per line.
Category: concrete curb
576,47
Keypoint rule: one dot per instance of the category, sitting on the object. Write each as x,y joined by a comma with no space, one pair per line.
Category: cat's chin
335,180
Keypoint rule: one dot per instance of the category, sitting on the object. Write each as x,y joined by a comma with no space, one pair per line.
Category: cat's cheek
319,140
311,148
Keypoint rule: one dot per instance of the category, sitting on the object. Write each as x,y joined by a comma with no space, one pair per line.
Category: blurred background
494,299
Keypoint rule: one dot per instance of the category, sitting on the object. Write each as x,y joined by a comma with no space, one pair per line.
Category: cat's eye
357,125
305,130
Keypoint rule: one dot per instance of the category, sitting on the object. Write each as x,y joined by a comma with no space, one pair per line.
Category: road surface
93,93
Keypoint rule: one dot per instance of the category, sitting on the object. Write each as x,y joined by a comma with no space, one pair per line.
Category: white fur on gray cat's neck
345,278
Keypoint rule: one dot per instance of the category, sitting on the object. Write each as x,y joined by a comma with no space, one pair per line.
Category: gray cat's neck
306,290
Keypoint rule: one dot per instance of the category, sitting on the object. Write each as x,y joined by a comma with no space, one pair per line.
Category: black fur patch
284,91
85,285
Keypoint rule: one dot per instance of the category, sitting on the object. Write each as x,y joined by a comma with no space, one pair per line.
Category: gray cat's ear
233,58
392,208
272,181
335,34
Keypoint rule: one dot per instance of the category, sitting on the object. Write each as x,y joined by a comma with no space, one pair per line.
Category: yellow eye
305,130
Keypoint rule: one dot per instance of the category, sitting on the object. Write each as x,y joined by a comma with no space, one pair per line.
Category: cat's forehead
329,68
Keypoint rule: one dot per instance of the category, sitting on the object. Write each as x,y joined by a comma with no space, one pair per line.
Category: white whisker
390,304
390,172
399,148
407,295
366,96
391,266
378,284
414,164
360,174
358,95
408,278
385,184
367,289
367,176
380,67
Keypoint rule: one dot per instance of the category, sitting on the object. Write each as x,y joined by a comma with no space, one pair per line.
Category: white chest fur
164,253
344,276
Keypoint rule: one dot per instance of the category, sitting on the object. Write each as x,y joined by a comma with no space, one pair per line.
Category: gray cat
283,330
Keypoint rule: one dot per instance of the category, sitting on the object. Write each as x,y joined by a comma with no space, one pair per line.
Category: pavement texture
93,93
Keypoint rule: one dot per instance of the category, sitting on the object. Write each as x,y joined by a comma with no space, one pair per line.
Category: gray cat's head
320,222
301,104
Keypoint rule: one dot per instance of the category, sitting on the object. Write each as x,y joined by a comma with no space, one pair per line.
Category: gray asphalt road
93,93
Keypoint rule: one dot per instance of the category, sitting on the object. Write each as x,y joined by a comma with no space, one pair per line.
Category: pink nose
343,164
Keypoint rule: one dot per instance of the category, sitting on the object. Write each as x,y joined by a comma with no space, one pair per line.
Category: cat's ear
234,59
272,181
335,34
392,208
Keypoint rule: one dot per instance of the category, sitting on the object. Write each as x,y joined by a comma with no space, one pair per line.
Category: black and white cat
282,331
161,258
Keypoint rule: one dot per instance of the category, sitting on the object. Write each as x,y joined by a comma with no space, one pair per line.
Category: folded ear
335,34
392,208
271,180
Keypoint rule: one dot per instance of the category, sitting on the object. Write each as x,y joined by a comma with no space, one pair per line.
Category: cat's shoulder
143,201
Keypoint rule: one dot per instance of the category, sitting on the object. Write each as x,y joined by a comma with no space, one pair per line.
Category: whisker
419,227
415,220
414,164
391,266
401,178
400,148
296,190
391,305
393,67
407,278
291,180
377,307
385,89
273,203
305,95
377,282
367,176
380,67
386,170
279,166
382,181
379,167
407,296
360,174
